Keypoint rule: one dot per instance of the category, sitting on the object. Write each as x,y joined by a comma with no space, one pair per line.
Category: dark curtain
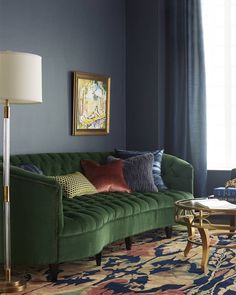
181,84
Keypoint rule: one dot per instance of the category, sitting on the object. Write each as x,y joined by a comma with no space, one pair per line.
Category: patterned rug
155,265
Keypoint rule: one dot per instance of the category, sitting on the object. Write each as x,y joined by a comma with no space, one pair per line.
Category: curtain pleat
181,85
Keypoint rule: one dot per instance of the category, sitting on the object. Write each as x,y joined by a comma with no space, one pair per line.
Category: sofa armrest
177,173
36,216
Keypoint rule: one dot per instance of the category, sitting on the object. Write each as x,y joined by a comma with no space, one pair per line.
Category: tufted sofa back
58,163
176,173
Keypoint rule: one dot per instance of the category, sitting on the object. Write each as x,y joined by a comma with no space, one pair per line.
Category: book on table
222,192
213,204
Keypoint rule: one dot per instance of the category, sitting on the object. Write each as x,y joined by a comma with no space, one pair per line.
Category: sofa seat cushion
91,212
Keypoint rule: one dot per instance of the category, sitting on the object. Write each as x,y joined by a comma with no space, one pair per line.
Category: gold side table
200,218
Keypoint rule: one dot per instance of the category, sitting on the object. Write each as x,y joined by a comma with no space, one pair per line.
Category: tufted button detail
91,212
59,163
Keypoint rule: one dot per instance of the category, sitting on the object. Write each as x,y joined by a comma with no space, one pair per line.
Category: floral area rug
155,265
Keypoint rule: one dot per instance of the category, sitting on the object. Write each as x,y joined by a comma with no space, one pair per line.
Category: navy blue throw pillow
156,168
31,168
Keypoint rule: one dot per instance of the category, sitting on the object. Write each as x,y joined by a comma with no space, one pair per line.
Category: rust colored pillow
106,178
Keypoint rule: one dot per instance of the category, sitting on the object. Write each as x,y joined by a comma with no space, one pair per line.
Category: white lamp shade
20,77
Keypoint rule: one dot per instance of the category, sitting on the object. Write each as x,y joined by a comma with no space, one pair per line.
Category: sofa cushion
138,172
156,168
90,213
106,178
75,184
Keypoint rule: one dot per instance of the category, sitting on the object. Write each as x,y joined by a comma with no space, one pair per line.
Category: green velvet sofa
48,228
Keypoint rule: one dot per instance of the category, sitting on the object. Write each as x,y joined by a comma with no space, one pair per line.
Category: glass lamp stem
11,283
6,189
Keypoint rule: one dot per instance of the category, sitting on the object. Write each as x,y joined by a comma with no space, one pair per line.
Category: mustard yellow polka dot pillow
75,184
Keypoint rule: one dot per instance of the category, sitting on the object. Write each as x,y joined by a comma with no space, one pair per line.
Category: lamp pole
9,283
20,83
6,191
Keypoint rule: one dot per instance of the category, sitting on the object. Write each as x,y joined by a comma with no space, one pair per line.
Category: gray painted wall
85,35
141,74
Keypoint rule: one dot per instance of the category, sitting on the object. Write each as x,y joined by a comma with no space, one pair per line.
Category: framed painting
91,104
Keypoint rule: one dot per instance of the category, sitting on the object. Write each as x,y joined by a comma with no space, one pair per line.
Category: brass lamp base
16,284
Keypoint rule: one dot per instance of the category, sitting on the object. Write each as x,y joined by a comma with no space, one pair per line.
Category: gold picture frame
91,104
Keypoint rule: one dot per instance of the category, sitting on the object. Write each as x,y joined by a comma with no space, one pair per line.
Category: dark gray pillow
156,167
138,172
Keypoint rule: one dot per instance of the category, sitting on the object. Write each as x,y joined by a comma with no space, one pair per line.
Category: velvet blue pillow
156,167
31,168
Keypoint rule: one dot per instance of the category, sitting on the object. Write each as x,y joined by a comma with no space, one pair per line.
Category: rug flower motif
155,265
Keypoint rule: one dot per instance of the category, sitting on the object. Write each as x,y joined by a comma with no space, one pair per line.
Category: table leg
232,222
191,233
205,248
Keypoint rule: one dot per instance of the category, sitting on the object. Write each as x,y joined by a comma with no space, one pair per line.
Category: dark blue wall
70,35
88,35
141,74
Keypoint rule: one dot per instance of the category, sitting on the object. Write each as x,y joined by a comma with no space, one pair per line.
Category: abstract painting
91,104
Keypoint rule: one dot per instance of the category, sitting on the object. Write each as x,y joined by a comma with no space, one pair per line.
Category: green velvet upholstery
49,228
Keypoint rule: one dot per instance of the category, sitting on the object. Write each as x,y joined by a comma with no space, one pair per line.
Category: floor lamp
20,82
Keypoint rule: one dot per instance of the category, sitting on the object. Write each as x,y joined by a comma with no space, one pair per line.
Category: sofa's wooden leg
53,272
128,243
99,258
168,230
